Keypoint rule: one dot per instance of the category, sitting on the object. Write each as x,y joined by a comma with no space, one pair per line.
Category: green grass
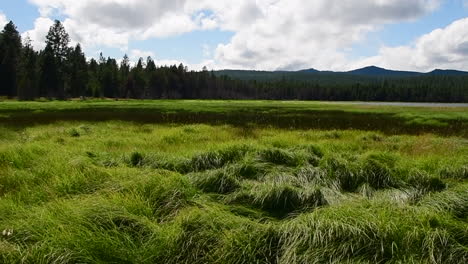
282,114
116,191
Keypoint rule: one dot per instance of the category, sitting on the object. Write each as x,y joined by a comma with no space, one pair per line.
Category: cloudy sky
259,34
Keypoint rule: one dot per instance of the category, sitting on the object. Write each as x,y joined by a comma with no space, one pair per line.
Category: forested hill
313,74
366,84
60,72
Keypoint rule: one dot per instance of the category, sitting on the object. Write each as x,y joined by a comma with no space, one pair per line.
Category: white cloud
115,22
207,51
297,34
92,35
3,20
170,24
268,34
39,32
136,54
442,48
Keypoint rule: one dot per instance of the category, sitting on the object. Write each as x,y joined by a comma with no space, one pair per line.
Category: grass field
232,182
281,114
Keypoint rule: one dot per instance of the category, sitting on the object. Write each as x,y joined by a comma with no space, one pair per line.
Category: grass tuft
459,173
281,157
74,132
217,159
166,195
426,182
220,181
136,159
278,198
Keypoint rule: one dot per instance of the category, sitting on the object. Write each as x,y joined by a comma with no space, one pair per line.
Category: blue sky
262,34
404,33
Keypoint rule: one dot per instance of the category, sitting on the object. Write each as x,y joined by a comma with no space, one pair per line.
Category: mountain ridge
373,71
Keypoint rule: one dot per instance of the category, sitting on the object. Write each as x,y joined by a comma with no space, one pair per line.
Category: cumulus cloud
91,35
37,35
442,48
114,22
136,54
268,34
297,34
3,20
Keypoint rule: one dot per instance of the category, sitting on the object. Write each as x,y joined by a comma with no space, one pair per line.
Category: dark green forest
60,72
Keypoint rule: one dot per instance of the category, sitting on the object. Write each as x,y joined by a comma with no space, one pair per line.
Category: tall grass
122,193
370,233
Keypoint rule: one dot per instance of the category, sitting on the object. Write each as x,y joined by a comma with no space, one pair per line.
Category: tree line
59,72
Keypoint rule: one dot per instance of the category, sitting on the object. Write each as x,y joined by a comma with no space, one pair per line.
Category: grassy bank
114,191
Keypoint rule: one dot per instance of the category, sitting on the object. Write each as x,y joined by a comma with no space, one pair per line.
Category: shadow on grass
315,119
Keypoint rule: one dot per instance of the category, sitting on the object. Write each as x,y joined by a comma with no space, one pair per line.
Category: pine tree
57,41
93,88
150,65
138,82
78,72
10,53
28,79
49,75
124,72
153,79
109,78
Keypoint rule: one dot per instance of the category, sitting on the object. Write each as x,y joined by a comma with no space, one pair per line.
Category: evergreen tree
124,72
58,71
57,41
28,80
49,75
150,65
10,54
78,72
151,78
93,88
138,83
109,78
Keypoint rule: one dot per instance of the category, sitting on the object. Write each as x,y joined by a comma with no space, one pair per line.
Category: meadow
232,182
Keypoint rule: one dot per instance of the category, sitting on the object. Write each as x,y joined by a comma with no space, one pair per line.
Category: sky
339,35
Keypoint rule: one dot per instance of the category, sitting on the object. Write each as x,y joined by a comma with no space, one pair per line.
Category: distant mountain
309,70
376,71
447,72
313,74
